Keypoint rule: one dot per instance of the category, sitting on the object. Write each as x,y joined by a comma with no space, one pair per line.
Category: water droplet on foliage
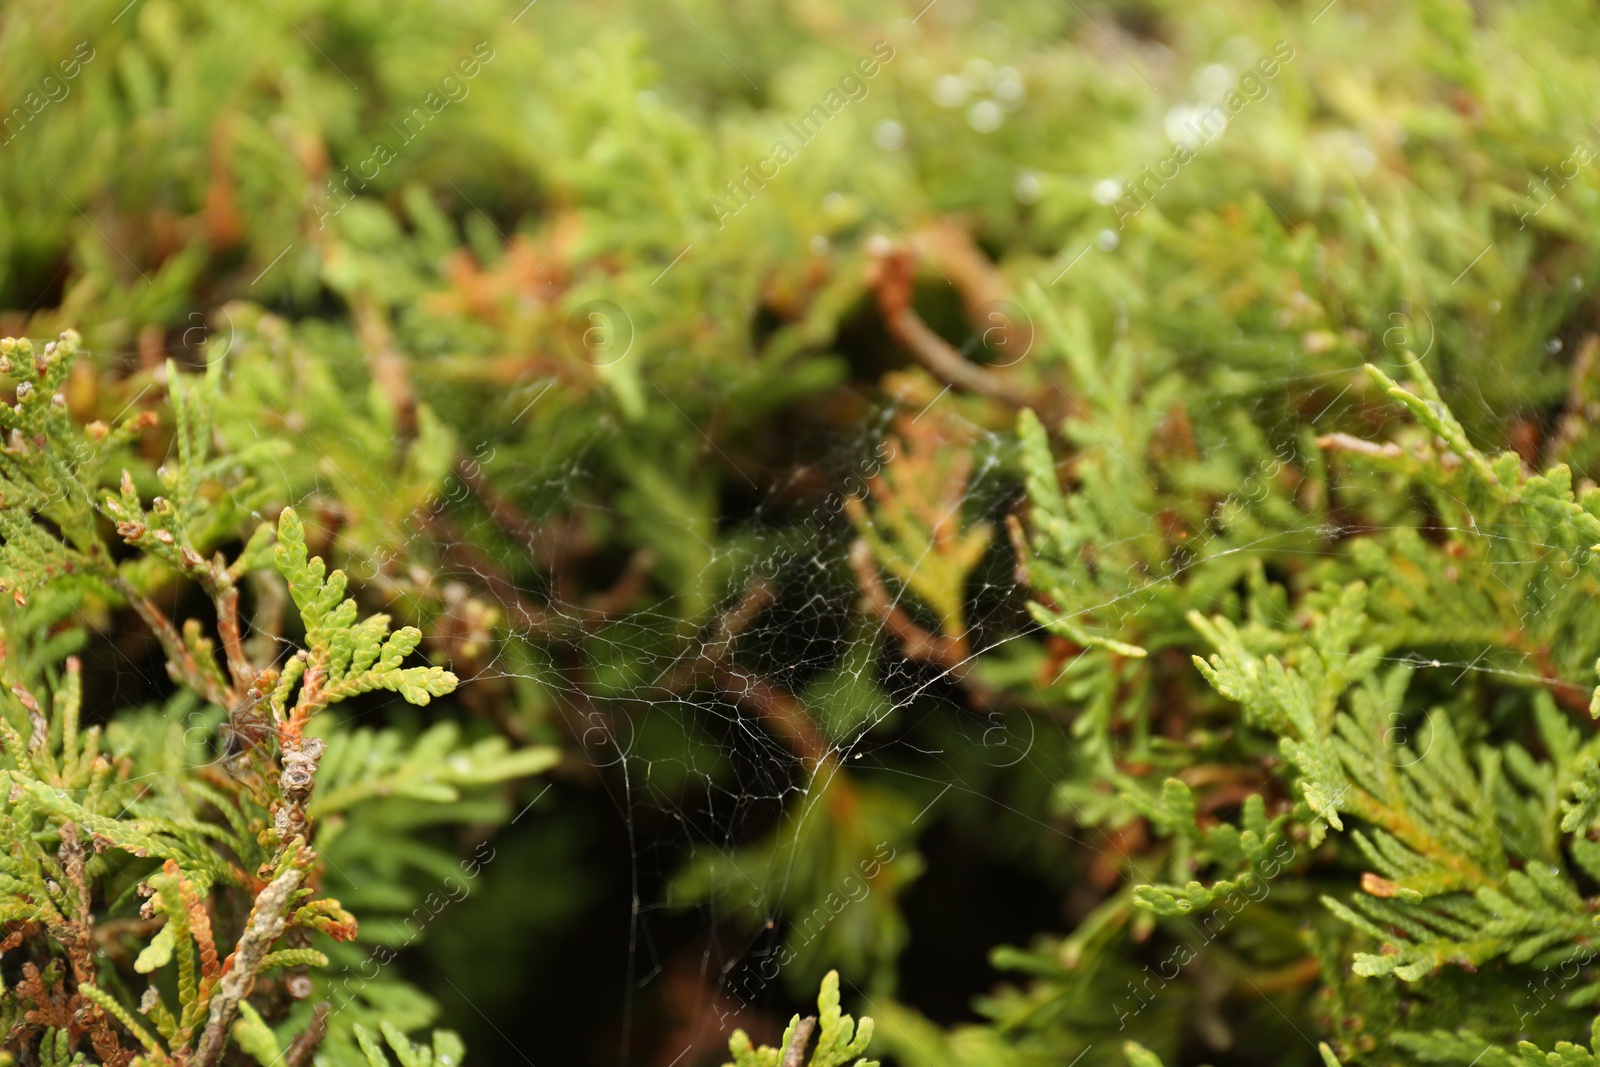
1008,86
1183,125
949,91
985,116
1212,80
1553,345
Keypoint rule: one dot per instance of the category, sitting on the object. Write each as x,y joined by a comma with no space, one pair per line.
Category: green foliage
1139,1056
842,881
1465,839
54,1051
1440,1047
445,1051
208,821
345,657
1282,691
840,1040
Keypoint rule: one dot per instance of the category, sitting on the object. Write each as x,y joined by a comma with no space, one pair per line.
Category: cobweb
704,740
788,611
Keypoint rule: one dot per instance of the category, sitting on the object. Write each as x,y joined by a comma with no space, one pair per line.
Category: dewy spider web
821,670
798,669
761,759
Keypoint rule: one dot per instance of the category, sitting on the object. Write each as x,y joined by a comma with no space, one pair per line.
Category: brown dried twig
780,710
225,595
891,278
266,925
303,1046
181,664
299,756
1343,442
916,642
385,361
794,1053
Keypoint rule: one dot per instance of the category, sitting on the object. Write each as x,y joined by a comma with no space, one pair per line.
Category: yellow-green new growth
841,1039
344,657
1139,1056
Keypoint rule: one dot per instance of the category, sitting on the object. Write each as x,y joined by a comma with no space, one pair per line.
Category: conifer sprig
90,823
840,1040
344,657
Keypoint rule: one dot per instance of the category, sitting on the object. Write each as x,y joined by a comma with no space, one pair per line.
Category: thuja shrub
1005,470
1356,825
161,875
